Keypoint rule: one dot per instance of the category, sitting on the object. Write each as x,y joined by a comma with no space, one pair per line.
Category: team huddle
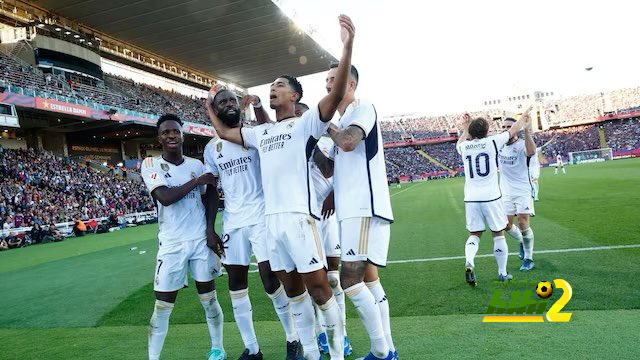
309,199
302,194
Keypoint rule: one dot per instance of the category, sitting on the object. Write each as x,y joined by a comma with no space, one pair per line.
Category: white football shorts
174,259
240,243
365,239
492,212
294,243
514,205
330,236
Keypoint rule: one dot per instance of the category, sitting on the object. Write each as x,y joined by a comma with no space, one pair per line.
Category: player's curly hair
168,117
295,84
479,128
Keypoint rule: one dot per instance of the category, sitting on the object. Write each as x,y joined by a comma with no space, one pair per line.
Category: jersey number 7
478,169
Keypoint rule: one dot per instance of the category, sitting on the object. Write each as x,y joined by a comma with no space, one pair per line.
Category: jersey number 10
478,169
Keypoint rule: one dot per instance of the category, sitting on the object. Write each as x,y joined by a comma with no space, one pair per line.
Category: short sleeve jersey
360,176
535,159
183,220
514,170
285,148
238,169
480,157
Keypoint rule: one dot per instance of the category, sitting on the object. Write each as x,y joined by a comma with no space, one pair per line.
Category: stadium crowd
40,188
406,161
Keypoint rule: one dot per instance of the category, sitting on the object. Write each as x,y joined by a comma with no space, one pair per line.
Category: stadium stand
41,188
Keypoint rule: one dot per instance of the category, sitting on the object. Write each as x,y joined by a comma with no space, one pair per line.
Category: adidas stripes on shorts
294,243
365,239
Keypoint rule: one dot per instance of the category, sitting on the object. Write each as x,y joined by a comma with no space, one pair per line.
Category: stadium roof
247,42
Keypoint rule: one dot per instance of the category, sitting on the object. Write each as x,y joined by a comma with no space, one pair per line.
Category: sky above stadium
449,56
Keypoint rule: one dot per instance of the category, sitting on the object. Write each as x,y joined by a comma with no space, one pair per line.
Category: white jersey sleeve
363,117
209,163
312,123
249,137
327,146
151,174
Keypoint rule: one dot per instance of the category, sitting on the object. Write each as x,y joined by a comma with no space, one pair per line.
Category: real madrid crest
290,125
193,174
219,146
165,167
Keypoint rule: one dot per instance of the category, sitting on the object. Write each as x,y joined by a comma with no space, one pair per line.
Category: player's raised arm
529,143
224,131
329,104
261,114
466,119
346,139
522,121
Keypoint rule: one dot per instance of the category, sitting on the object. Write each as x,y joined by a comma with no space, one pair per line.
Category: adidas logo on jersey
167,175
351,252
265,132
313,261
219,156
498,251
337,247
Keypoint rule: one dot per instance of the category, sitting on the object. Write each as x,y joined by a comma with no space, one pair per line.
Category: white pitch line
403,190
598,248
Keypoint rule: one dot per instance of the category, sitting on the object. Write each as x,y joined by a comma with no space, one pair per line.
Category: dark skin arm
324,163
261,114
212,199
166,196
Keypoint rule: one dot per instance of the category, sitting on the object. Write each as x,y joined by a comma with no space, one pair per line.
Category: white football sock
338,293
501,253
318,322
564,171
471,249
527,235
369,313
381,298
243,313
514,231
281,305
535,190
332,325
158,327
302,309
555,172
215,318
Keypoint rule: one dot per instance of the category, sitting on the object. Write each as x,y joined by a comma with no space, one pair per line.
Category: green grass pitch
91,297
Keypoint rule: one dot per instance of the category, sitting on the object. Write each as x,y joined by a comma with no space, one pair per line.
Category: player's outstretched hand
328,207
206,179
466,119
347,30
248,100
216,88
215,243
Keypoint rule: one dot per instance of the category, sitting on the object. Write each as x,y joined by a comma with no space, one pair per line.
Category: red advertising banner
62,107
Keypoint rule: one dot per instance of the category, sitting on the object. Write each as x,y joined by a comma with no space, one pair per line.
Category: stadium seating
41,187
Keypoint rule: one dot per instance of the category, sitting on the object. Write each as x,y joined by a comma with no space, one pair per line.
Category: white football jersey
327,146
285,148
480,157
535,159
238,169
322,185
185,219
559,159
360,176
514,170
